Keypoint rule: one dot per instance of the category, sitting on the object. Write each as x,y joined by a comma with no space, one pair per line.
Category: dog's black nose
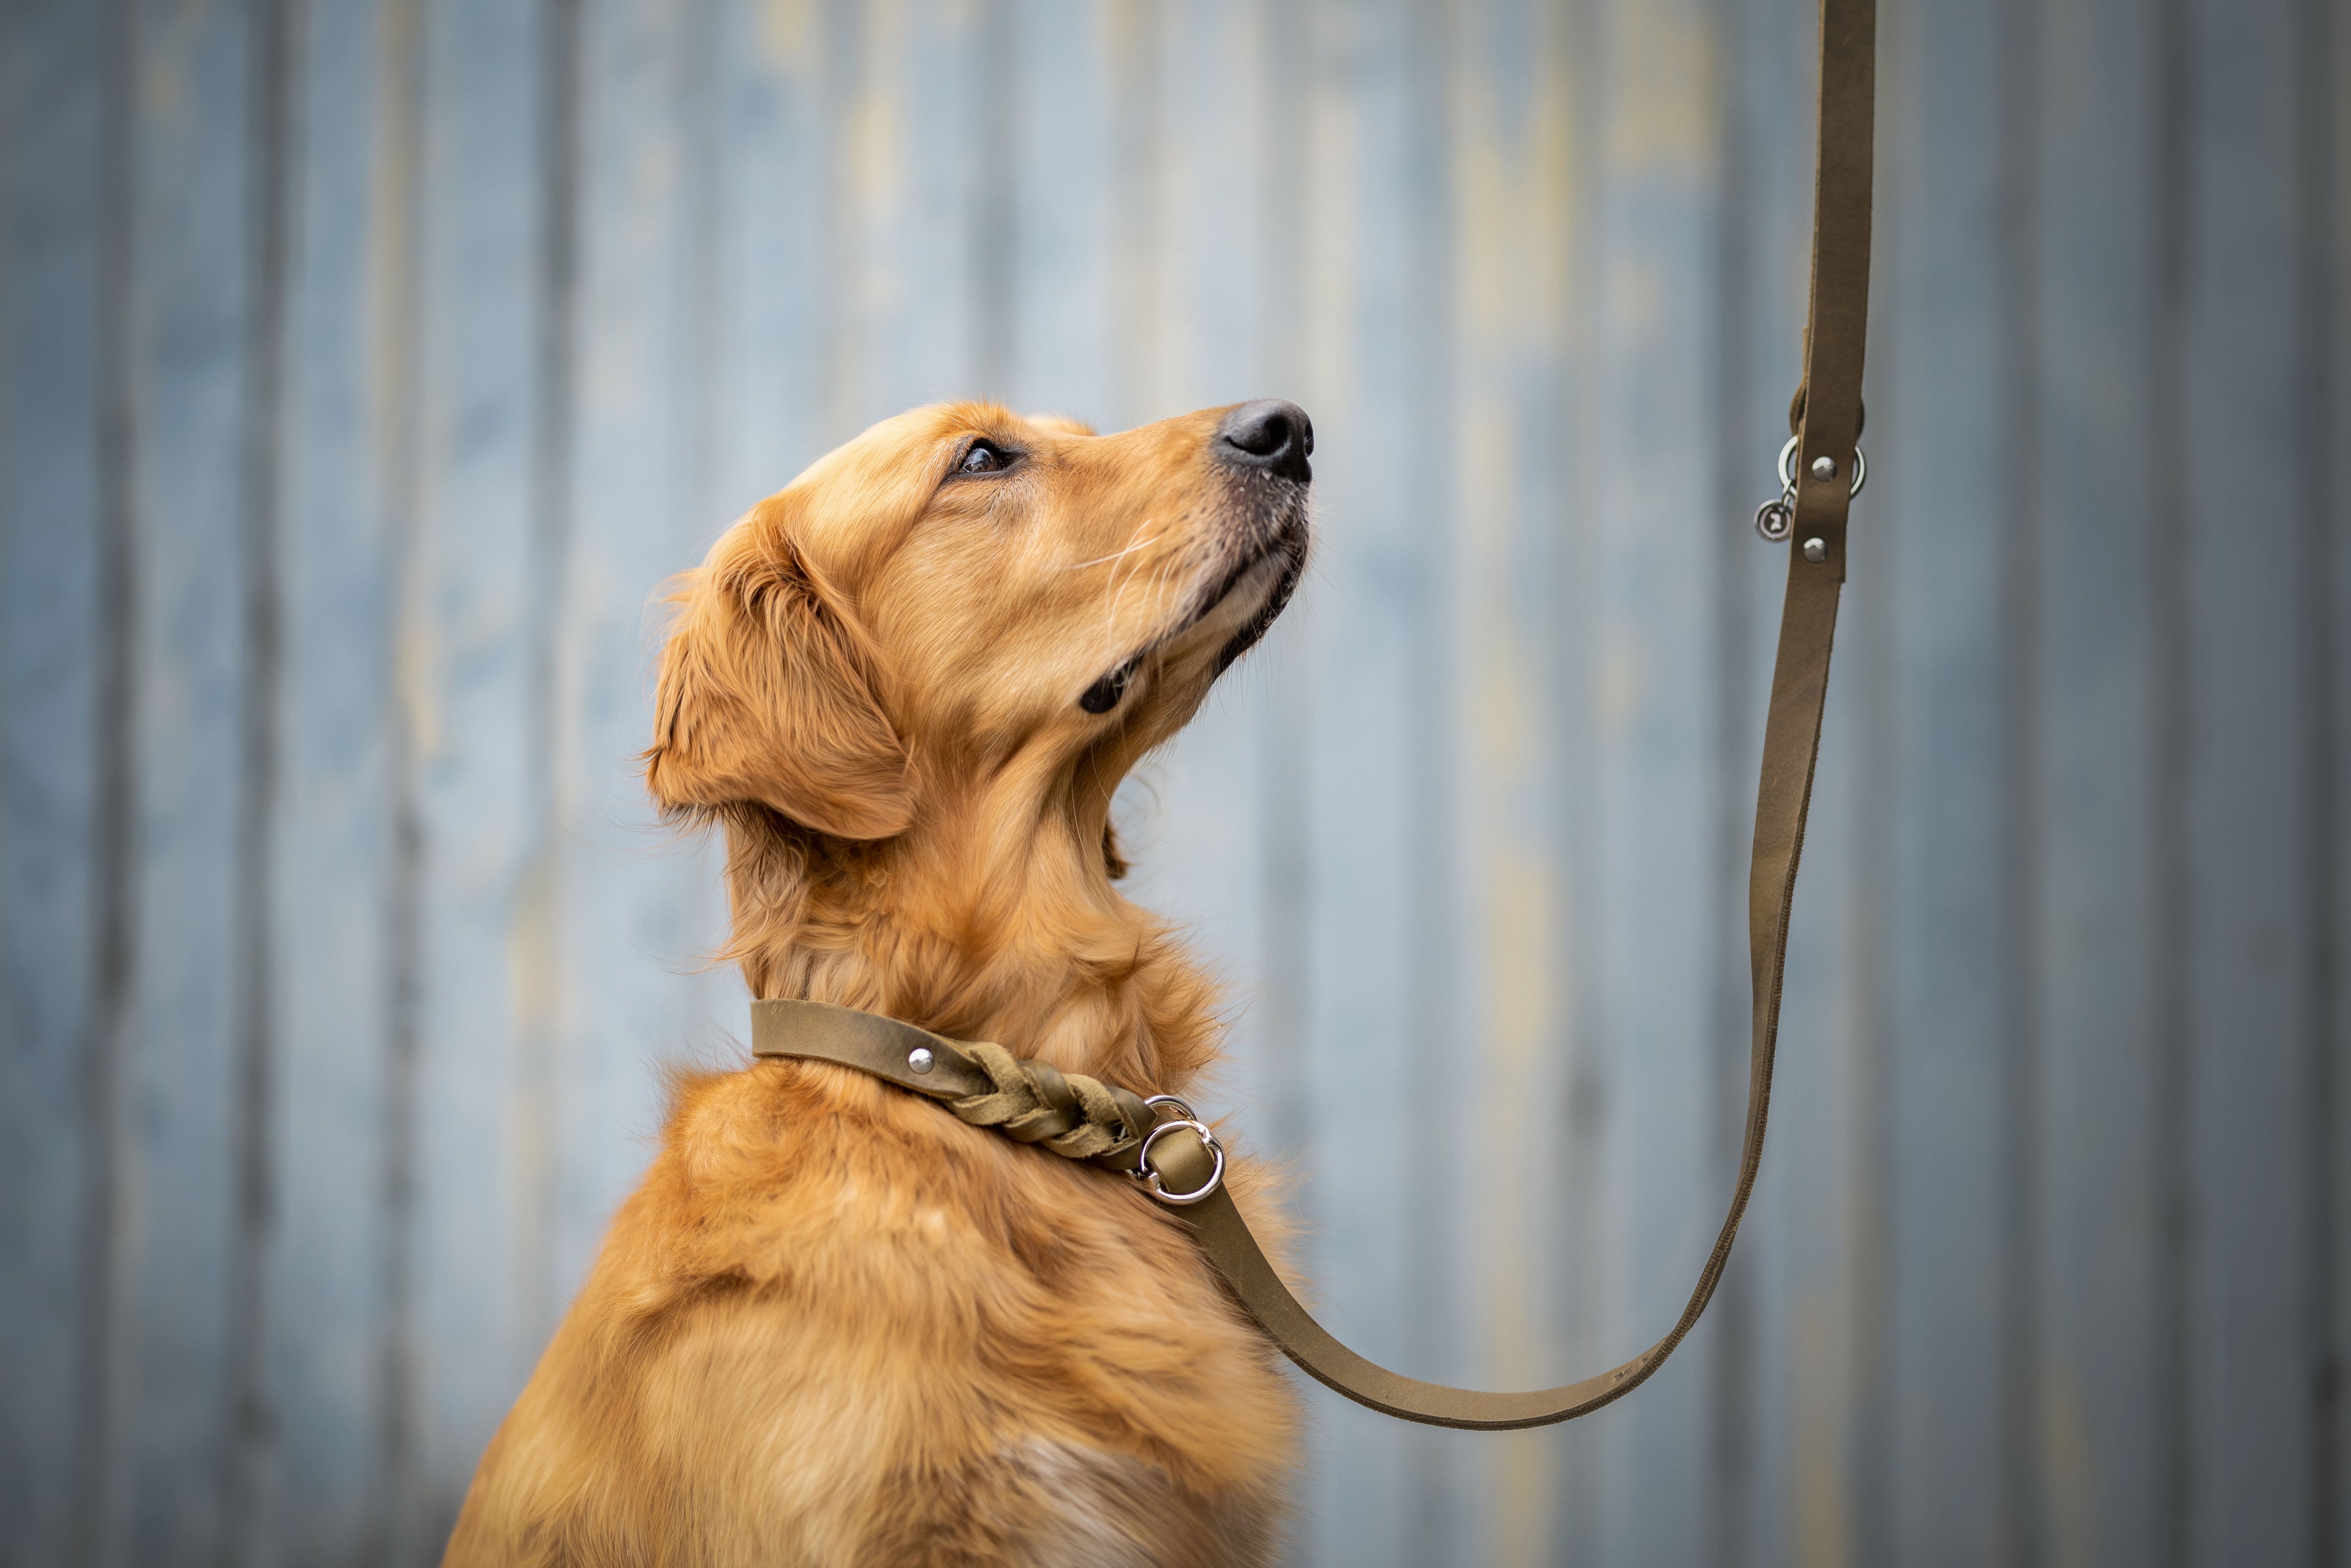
1269,434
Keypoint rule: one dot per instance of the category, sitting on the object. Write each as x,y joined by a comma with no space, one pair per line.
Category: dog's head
961,605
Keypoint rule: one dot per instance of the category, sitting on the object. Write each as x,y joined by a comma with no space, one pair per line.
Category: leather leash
1180,1159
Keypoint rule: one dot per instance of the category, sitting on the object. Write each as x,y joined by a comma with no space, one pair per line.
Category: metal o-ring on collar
1150,1178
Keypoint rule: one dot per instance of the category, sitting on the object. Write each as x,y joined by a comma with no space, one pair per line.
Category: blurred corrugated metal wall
366,365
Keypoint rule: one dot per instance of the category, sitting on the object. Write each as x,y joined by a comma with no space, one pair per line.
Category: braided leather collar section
1078,1117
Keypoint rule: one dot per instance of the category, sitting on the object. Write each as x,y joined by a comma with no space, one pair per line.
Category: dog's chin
1231,616
1277,574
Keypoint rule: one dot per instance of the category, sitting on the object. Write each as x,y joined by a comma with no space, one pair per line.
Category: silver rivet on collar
1824,468
920,1058
1816,550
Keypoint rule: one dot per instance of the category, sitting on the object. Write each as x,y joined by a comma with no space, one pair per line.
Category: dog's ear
767,695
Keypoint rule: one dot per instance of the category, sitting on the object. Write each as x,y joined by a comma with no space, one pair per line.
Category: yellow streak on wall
1513,183
876,149
787,35
534,971
394,350
1663,121
164,47
1515,206
1142,331
2066,1443
1821,1510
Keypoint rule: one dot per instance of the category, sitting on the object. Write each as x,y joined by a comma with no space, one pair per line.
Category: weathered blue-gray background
366,365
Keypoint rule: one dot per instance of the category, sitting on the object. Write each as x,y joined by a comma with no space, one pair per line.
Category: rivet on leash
920,1058
1824,468
1816,550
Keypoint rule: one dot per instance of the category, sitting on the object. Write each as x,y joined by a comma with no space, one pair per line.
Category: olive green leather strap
1058,1110
1073,1115
1032,1102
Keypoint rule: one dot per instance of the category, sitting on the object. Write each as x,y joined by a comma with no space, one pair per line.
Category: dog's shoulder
824,1282
784,1176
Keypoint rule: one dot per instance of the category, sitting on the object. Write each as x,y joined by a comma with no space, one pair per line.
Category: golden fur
835,1325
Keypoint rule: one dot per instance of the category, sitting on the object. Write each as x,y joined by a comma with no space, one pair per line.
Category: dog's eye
984,458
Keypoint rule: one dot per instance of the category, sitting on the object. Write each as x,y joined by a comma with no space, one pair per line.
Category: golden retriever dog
835,1325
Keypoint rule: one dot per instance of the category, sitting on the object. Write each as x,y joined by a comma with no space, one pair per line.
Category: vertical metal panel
2172,1431
1530,185
1581,1318
1365,945
768,376
1061,312
1444,1511
396,371
272,92
931,67
1942,434
2019,94
2101,1355
1132,212
2248,812
536,962
49,657
486,1293
1139,332
325,1297
2328,61
643,911
619,906
918,160
1651,561
188,340
2317,168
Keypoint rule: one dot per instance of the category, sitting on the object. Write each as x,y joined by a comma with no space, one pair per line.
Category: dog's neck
975,928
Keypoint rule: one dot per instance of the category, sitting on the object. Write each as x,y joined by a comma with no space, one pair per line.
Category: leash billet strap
1076,1116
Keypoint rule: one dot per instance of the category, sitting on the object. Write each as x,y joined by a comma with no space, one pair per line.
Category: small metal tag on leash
1775,520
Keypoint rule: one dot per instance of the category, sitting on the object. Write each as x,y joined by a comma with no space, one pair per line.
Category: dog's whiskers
1102,560
1119,584
1159,575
